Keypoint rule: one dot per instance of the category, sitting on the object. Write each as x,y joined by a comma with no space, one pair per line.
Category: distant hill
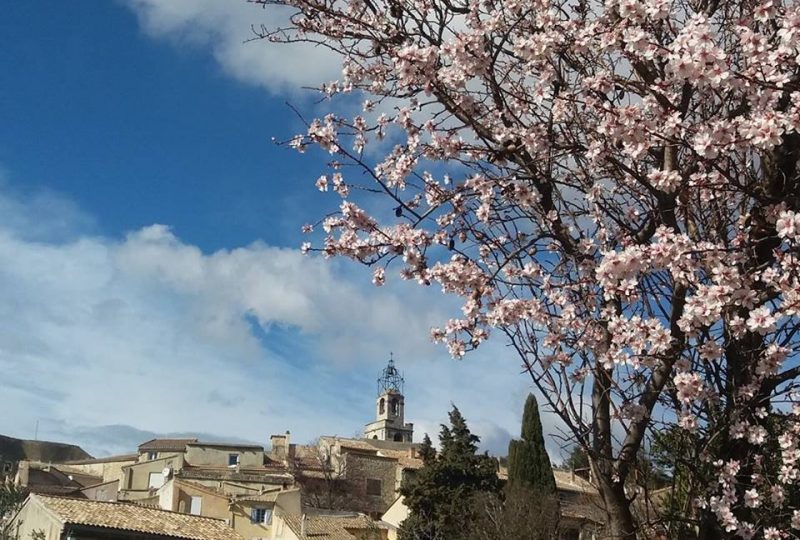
12,449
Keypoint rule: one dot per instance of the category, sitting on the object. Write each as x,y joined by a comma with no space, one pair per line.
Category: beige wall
137,476
213,505
110,470
217,456
289,502
242,524
166,496
397,513
103,492
33,517
280,531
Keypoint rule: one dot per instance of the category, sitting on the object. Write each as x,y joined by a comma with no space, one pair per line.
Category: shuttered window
261,515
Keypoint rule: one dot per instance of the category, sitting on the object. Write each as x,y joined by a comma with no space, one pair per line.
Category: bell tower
389,424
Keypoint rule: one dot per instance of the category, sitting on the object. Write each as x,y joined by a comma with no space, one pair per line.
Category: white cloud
225,26
148,332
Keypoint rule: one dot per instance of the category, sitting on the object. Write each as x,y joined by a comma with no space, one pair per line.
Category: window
261,515
382,406
395,406
233,460
374,487
156,480
151,455
197,506
398,437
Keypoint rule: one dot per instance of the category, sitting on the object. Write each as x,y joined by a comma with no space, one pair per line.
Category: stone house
248,511
13,450
108,468
364,475
206,464
38,477
158,448
60,518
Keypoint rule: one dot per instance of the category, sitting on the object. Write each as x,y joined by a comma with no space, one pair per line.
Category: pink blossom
752,499
761,320
379,276
788,225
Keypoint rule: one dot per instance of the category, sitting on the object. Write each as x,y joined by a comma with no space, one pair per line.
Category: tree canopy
439,497
612,188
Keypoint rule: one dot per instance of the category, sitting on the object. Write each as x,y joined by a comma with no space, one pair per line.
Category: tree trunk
620,524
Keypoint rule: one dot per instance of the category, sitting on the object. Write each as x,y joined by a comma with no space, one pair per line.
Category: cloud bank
149,333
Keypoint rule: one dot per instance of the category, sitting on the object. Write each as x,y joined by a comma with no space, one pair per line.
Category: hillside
12,449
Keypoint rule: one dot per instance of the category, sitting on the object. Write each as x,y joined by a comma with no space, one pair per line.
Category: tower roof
391,379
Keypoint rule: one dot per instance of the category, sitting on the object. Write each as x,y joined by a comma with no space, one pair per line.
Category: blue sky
150,277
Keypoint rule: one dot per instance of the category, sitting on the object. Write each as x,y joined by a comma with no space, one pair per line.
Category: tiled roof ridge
106,459
197,442
200,487
98,484
169,439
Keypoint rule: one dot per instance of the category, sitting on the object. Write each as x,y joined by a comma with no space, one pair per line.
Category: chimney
412,452
280,446
23,472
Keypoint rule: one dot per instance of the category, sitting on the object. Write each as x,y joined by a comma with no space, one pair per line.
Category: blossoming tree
611,186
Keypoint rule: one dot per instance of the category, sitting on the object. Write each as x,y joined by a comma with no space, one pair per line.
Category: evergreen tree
11,499
578,459
439,496
426,450
528,462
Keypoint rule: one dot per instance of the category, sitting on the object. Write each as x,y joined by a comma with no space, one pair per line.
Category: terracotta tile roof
404,453
53,490
569,481
331,527
268,496
133,517
589,511
166,445
265,475
231,445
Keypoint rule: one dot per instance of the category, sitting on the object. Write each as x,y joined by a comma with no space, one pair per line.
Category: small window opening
374,487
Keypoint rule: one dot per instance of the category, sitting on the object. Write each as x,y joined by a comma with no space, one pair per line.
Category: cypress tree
439,496
426,450
528,463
